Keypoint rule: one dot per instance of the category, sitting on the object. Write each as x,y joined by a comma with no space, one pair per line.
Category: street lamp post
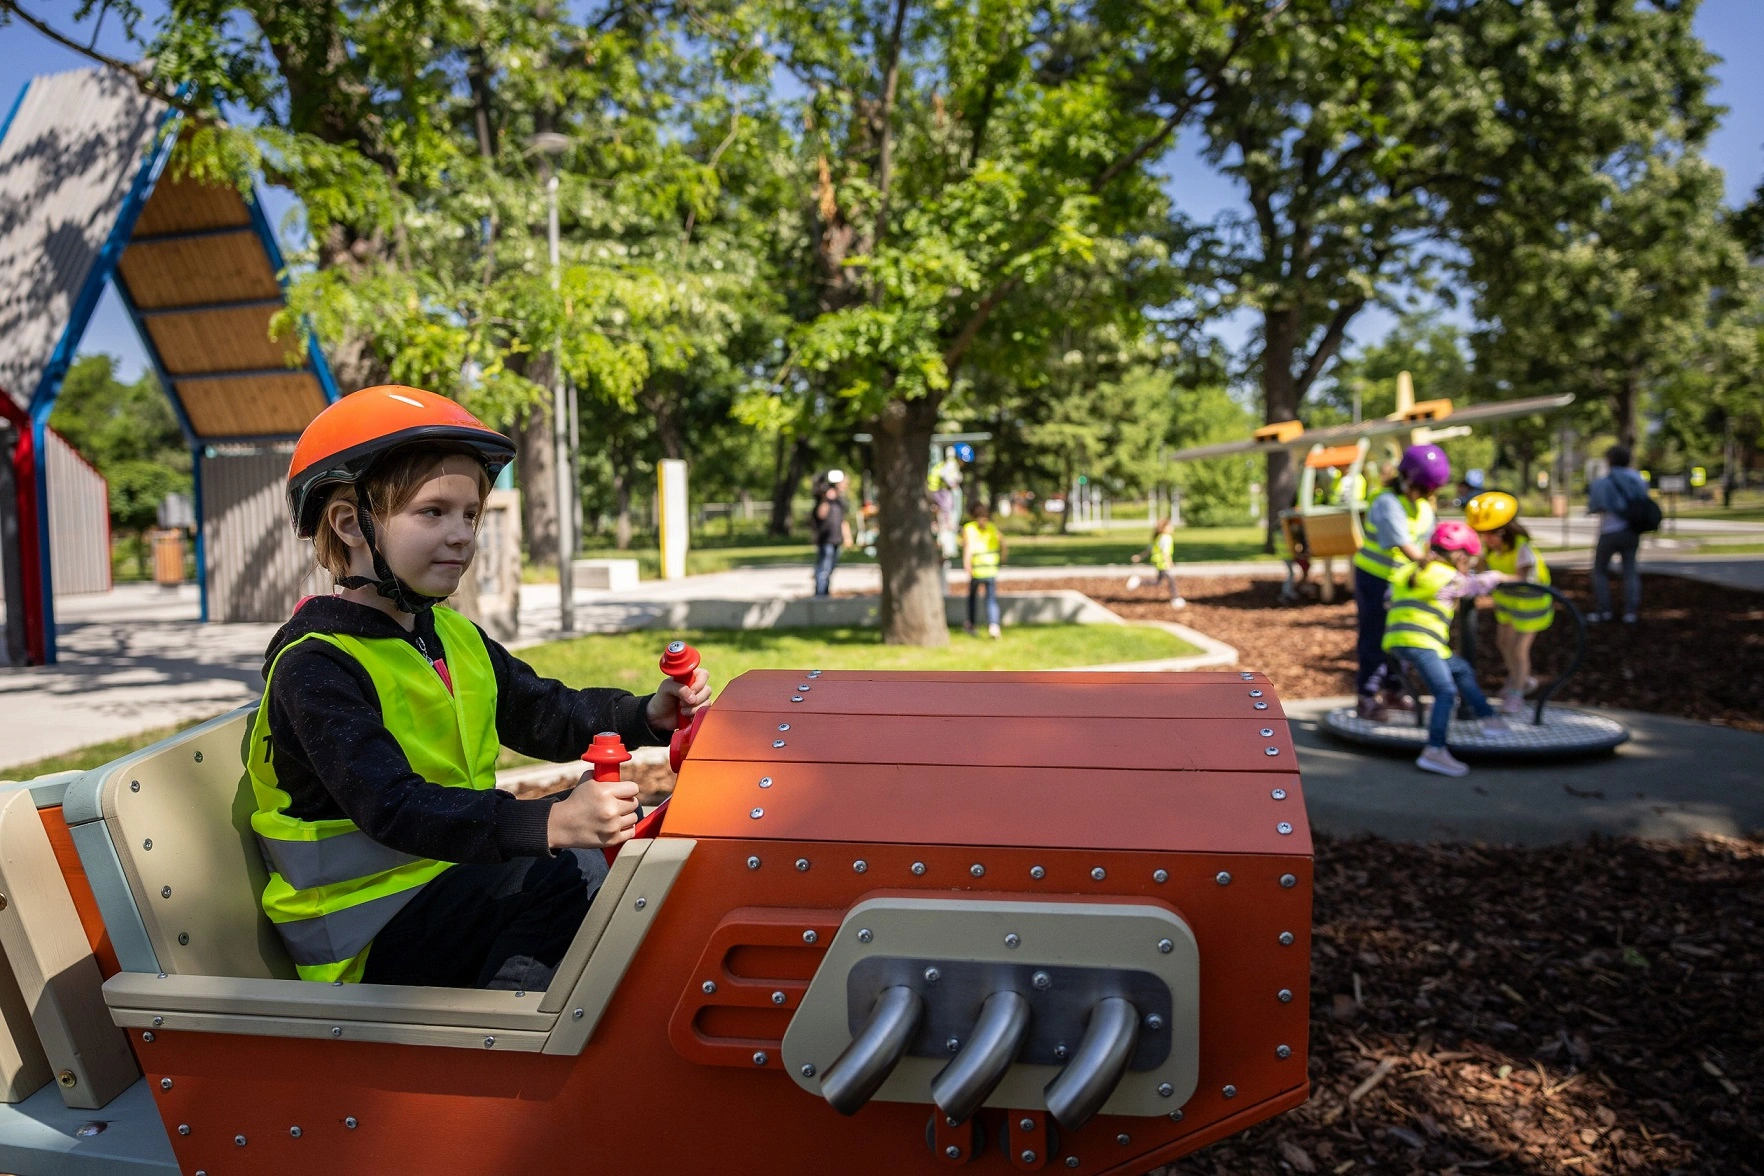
550,144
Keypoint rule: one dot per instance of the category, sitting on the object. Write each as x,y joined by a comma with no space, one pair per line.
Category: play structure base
1563,732
125,1138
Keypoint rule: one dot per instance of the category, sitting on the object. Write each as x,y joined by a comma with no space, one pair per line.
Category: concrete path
1674,778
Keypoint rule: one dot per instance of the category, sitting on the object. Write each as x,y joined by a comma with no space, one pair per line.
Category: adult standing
1397,526
982,552
831,530
1614,498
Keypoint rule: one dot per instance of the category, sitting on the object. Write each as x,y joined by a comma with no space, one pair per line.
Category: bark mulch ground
1587,1008
1698,651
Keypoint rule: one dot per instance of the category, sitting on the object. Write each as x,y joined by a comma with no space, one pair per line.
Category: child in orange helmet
393,857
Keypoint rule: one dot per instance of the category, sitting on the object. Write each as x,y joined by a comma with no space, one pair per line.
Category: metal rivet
949,1122
165,1084
350,1122
199,757
1255,694
1223,877
765,781
1165,1090
1154,1021
777,998
759,1057
1267,732
1042,981
809,937
802,864
865,935
953,1152
1160,876
1284,995
783,726
918,868
641,903
814,673
489,1043
294,1131
802,685
1288,881
953,1045
238,1141
796,698
932,975
1283,1051
1123,1139
753,863
1061,1052
147,844
1261,706
1229,1092
977,870
1286,939
158,1021
676,647
859,866
1071,1161
1271,751
576,1016
165,892
134,786
777,743
808,1069
1012,940
1176,1116
183,939
1037,873
147,1036
756,814
1278,794
1283,828
1028,1156
1247,676
1098,874
1165,946
336,1030
183,1129
709,987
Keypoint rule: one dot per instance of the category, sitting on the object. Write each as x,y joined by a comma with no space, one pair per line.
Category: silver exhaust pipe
1097,1066
865,1064
993,1044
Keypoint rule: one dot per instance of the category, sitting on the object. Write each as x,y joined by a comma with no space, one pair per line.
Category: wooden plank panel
883,803
1160,696
199,271
232,340
180,204
1224,745
251,406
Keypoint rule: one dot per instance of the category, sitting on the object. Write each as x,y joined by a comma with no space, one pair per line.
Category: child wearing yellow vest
1424,597
982,552
393,857
1163,557
1520,614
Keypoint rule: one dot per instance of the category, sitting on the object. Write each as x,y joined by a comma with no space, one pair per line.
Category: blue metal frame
49,385
6,124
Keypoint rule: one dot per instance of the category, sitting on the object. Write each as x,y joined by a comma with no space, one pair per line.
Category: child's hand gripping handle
606,753
680,662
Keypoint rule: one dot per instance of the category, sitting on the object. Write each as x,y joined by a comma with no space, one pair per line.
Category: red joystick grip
606,753
679,662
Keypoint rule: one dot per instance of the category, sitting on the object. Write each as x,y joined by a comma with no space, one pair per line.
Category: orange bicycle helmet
344,441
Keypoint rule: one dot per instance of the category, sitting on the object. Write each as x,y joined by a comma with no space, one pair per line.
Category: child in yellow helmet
1521,613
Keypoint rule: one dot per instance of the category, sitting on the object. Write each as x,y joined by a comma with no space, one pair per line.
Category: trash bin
168,558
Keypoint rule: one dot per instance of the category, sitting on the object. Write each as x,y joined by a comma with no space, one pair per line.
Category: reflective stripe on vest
1520,605
1383,562
1417,618
1164,552
982,543
332,887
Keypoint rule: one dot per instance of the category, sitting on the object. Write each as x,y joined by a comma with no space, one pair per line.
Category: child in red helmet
1424,596
393,857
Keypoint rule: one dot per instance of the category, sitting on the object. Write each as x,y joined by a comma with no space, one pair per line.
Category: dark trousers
501,925
826,556
990,587
1621,545
1369,601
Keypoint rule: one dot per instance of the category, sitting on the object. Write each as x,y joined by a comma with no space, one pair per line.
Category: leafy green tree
1215,492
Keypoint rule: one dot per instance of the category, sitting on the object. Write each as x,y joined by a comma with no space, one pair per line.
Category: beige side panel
450,1036
181,823
606,901
24,1067
398,1004
53,964
1078,934
626,929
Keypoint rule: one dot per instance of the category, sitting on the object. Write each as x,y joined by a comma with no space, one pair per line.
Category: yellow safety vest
1526,609
332,888
1383,562
1164,552
1348,490
982,544
1418,619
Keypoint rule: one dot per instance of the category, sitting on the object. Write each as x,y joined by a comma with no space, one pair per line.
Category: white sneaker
1495,725
1441,761
1178,602
1132,583
992,631
1512,702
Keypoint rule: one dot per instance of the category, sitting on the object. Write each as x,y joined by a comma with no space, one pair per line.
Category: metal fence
254,566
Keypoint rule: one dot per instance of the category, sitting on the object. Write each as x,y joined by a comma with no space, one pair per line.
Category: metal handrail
1548,690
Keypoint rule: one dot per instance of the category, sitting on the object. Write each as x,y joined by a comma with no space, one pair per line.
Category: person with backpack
1625,511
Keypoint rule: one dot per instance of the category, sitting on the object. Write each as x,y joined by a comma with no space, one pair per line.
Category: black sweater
334,756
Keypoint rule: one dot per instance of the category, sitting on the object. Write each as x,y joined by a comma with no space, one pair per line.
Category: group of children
1409,578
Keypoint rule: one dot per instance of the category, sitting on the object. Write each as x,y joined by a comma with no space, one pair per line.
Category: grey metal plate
1057,1014
41,1135
1564,732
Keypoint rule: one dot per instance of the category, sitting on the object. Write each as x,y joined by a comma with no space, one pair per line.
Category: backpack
1641,514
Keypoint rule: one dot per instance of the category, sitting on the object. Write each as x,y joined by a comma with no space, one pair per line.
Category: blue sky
1733,28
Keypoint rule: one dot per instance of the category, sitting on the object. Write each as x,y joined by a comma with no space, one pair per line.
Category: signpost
1672,485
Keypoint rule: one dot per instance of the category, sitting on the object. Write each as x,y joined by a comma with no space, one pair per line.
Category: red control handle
606,753
679,662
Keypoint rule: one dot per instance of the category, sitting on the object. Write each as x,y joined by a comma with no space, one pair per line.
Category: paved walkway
1674,778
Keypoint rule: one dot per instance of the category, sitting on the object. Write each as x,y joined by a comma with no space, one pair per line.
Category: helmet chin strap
388,585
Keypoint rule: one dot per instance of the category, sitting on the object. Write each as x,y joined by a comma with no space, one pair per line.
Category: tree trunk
784,487
912,577
536,469
1625,403
1280,341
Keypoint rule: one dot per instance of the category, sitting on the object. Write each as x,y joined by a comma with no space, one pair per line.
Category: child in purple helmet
1397,526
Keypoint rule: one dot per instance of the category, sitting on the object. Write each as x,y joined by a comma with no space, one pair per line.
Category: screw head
756,813
865,935
802,864
1071,1161
796,698
1255,694
183,1129
134,786
802,685
1098,874
489,1043
1229,1091
1037,873
1288,881
1123,1139
199,757
676,647
1223,877
1267,732
640,903
294,1131
953,1044
759,1057
777,743
932,975
164,1084
576,1015
814,673
349,1122
859,866
147,1036
808,1070
1286,939
165,892
1165,1090
1284,995
1154,1021
918,868
809,936
147,844
783,726
158,1021
1176,1115
709,987
1025,1124
753,863
765,781
1283,828
1028,1156
1261,706
1061,1052
1283,1051
183,939
1165,946
238,1141
1043,982
1278,794
1271,751
1160,876
777,998
953,1152
978,870
336,1030
1013,940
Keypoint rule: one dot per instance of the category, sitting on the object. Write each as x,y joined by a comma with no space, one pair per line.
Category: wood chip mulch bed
1697,653
1586,1008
